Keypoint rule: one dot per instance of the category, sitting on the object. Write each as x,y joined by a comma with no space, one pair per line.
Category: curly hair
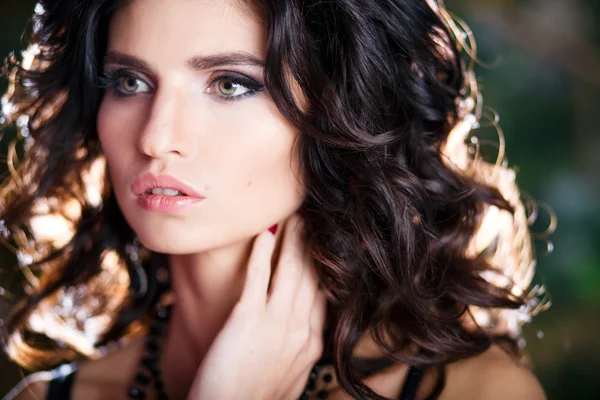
416,238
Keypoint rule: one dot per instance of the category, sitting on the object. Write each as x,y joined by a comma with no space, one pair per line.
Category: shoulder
491,375
33,387
107,377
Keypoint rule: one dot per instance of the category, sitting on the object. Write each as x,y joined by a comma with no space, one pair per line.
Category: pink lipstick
164,193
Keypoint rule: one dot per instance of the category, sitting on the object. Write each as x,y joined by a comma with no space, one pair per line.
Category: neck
206,286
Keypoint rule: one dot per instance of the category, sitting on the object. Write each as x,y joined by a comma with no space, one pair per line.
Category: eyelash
111,79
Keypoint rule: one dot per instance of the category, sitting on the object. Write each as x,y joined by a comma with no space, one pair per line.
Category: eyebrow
197,63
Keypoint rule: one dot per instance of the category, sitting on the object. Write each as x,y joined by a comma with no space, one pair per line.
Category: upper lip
149,181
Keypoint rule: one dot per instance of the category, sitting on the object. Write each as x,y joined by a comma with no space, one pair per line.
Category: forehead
168,30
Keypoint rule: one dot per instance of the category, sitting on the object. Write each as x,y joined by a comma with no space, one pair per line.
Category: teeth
166,192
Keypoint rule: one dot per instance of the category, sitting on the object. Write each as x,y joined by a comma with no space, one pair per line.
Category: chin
171,243
180,241
158,246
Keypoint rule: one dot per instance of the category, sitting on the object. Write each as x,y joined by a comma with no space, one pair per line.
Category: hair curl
416,238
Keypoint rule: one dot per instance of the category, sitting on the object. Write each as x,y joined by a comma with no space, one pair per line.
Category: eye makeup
117,81
237,80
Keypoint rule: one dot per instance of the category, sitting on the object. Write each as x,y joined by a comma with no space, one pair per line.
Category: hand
273,336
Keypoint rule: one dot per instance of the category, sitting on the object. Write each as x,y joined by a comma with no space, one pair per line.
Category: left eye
230,88
234,86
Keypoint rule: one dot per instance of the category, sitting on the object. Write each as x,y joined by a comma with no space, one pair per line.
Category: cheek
256,190
117,126
107,125
262,169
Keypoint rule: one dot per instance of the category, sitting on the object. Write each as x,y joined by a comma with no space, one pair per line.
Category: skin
240,155
184,122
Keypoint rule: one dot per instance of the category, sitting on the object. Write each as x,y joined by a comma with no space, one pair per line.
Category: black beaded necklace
149,370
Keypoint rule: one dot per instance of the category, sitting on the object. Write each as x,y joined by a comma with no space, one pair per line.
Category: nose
166,132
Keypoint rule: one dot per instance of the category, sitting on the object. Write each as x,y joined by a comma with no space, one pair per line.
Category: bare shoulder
33,387
108,377
491,375
113,369
95,379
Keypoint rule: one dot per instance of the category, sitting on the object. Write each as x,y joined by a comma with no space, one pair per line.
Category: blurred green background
545,84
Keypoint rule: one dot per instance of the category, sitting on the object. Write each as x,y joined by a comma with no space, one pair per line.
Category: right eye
131,85
124,83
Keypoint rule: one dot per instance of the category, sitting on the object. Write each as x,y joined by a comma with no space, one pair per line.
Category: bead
154,371
310,385
156,330
163,313
327,377
148,361
158,384
148,370
152,346
323,394
142,378
136,393
312,376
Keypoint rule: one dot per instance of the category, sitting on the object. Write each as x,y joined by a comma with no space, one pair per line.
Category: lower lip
166,204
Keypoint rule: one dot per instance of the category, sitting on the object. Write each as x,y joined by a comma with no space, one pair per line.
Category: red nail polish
273,229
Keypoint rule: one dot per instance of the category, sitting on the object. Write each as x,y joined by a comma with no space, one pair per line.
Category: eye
234,86
132,85
123,83
230,89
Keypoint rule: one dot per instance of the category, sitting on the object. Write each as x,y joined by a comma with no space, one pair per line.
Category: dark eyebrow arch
197,63
223,59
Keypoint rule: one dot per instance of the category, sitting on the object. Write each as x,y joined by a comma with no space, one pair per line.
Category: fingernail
273,229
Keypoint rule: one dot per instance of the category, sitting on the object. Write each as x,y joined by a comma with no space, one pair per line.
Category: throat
186,344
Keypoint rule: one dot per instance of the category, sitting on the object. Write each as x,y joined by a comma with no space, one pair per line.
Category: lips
149,184
164,194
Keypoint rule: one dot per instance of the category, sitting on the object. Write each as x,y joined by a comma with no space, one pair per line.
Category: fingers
291,266
317,345
258,271
318,317
293,282
295,307
307,290
318,313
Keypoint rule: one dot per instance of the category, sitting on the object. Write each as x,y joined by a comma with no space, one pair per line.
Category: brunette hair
416,237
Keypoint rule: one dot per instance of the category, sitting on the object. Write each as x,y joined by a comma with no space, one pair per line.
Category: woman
259,200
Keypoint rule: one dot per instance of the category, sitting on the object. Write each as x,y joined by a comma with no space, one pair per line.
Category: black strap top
60,387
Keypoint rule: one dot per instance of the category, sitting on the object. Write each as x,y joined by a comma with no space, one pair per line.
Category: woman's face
185,101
